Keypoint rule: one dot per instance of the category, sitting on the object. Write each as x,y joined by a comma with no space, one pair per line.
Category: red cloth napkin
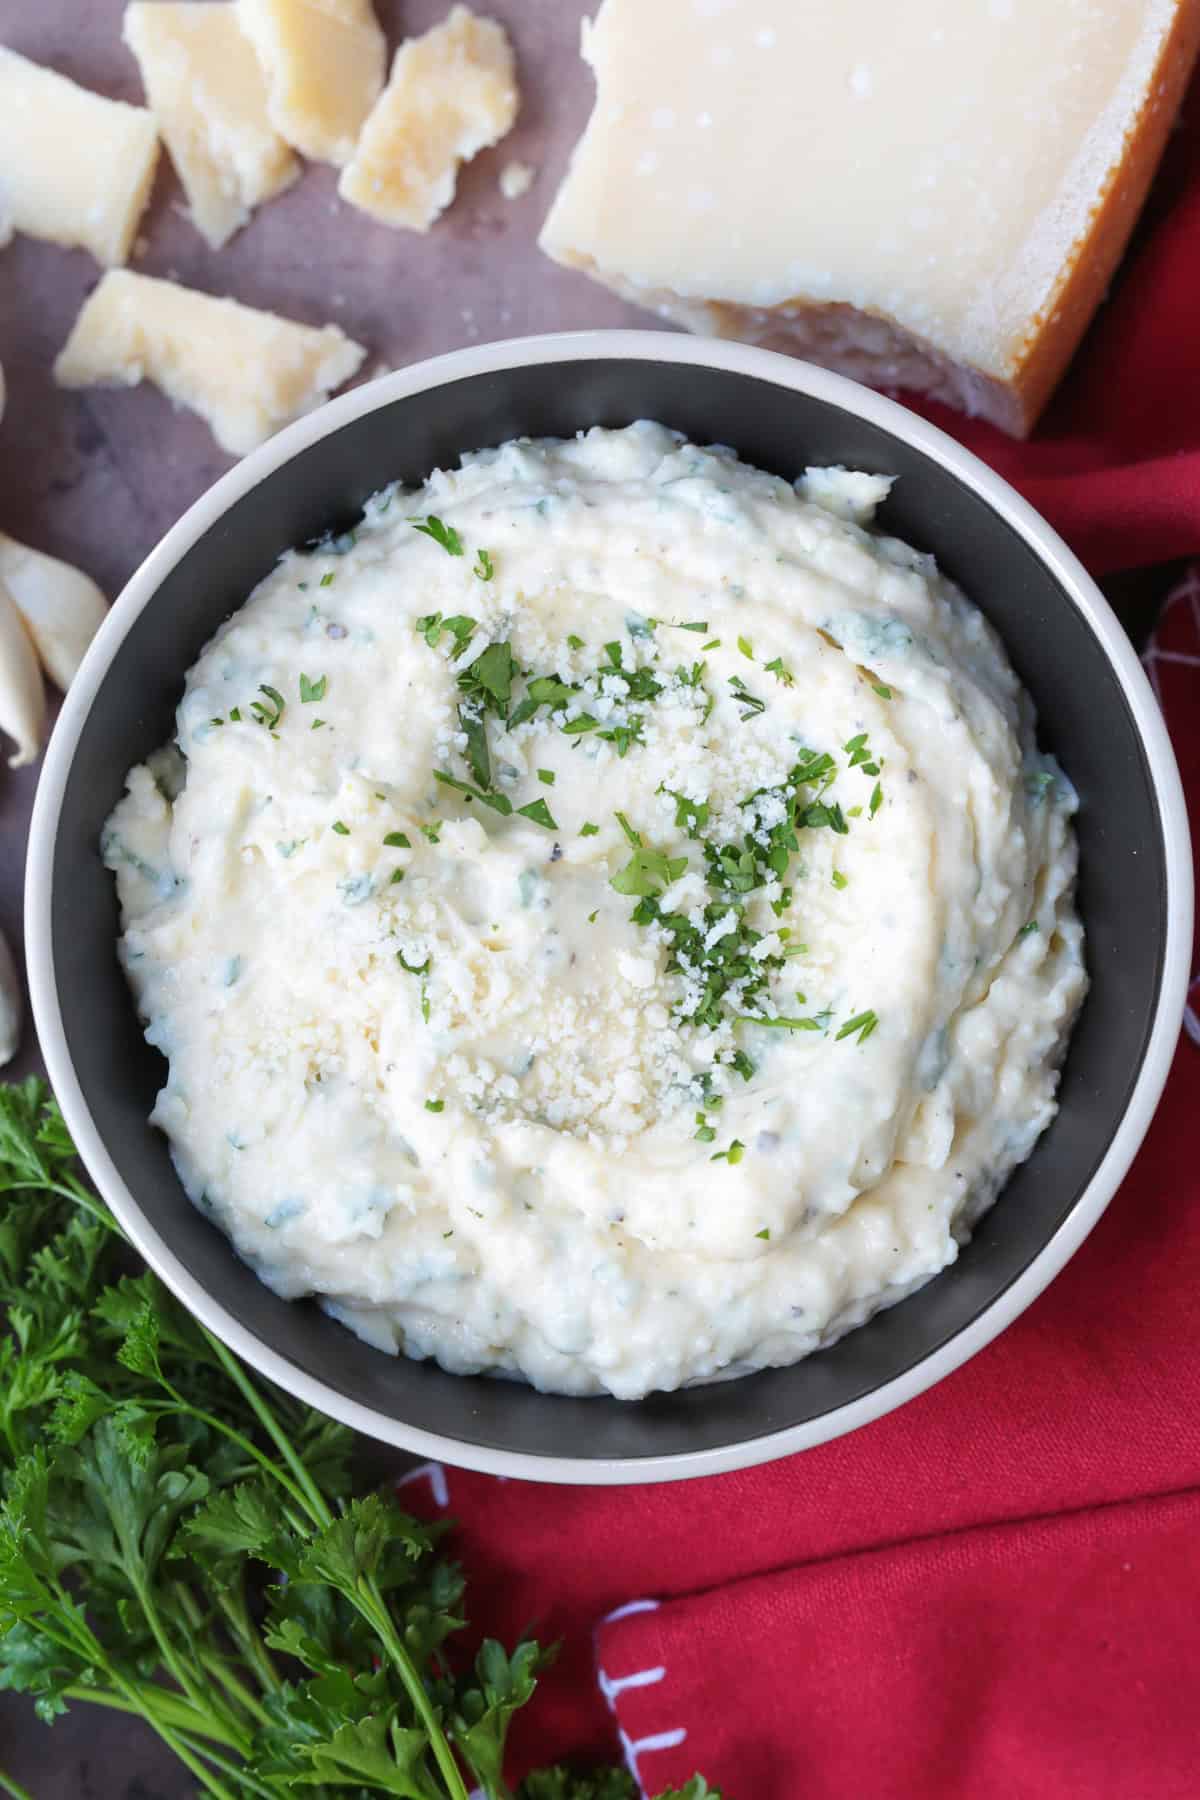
994,1593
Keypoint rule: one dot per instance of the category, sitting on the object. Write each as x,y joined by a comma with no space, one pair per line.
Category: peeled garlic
22,695
10,1004
61,606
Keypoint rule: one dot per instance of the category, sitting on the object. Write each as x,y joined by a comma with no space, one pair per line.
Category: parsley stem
374,1610
153,1703
8,1786
246,1635
309,1493
179,1406
246,1781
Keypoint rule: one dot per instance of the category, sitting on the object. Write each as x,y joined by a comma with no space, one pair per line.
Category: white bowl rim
782,371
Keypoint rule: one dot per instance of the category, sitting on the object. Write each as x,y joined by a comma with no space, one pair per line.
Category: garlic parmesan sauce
607,918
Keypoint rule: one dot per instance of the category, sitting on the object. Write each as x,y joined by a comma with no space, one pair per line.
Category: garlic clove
61,606
11,1007
22,692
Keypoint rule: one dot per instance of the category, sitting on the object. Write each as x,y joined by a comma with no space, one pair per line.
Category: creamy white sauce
475,1109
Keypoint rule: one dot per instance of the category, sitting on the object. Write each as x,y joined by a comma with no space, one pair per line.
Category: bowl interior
1084,719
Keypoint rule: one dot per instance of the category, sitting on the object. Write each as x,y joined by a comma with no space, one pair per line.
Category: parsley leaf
445,535
312,690
539,812
860,1026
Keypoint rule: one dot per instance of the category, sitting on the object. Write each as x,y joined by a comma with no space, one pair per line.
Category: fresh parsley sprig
182,1542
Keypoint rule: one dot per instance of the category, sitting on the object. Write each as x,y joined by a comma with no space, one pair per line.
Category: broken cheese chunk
324,61
245,372
209,96
77,168
931,195
452,93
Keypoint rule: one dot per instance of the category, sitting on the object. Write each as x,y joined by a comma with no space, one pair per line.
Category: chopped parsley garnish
882,689
491,675
235,715
445,535
317,724
648,872
632,837
342,830
705,1132
433,832
778,668
712,644
750,702
398,840
326,579
539,812
859,752
860,1026
734,1153
425,1001
397,875
779,1023
546,777
764,1233
312,690
587,829
700,625
270,712
499,803
622,736
484,568
459,625
876,801
412,968
435,1106
574,642
1027,928
746,647
216,721
839,880
690,815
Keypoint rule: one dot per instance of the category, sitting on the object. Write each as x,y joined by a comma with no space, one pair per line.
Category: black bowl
1096,714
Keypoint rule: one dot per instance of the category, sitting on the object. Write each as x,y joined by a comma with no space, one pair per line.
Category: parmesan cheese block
209,95
324,61
451,94
77,168
245,372
931,195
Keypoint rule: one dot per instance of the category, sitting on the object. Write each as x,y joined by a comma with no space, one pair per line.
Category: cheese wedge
77,169
209,96
324,61
245,372
929,195
452,93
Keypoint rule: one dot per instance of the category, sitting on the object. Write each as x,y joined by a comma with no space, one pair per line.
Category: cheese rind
932,196
452,93
245,372
209,95
324,61
77,168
